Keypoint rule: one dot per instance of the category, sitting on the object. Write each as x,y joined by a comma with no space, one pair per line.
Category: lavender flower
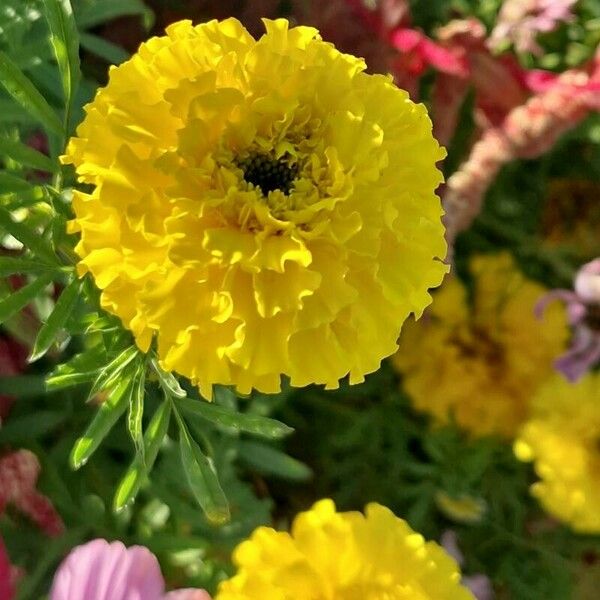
583,310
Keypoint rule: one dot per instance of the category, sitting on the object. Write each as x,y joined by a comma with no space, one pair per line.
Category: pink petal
587,282
102,571
188,594
567,296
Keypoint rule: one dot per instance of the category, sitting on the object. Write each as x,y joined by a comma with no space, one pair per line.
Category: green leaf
65,41
25,386
111,372
136,413
25,93
26,156
82,368
30,427
56,321
30,238
23,296
271,461
220,415
12,183
168,382
9,265
202,478
108,414
134,476
111,53
96,13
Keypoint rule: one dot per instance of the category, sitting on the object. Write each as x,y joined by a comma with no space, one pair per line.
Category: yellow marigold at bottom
343,556
562,437
479,361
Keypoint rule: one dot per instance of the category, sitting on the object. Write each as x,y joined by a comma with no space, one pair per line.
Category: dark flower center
269,173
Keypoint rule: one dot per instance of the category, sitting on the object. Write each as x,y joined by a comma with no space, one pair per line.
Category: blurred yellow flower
343,556
562,437
480,362
261,207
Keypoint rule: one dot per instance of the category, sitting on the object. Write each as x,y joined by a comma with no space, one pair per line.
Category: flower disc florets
261,207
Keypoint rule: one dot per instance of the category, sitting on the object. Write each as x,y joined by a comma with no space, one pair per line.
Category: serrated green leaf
57,319
111,53
26,94
26,156
96,13
108,414
202,479
10,265
134,476
23,296
65,41
220,415
136,414
271,461
27,236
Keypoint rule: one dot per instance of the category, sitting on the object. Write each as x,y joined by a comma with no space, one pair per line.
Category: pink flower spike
100,570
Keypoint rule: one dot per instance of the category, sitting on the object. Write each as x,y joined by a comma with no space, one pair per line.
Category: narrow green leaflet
110,52
82,368
167,381
12,183
226,417
134,476
136,413
57,319
108,414
23,296
29,237
95,13
26,94
271,461
9,265
26,156
65,41
202,477
109,374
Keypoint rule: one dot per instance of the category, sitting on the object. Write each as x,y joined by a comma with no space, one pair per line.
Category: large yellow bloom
343,556
480,361
262,207
563,438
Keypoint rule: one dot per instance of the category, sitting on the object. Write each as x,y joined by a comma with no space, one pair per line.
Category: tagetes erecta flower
478,361
561,437
343,556
261,207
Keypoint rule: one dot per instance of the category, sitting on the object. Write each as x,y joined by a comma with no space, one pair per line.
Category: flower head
100,570
480,363
561,437
256,201
346,556
583,308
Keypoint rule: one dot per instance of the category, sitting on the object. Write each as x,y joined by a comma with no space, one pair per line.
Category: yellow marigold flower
343,556
480,361
262,207
562,438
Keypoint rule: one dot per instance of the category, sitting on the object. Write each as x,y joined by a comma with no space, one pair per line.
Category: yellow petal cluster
562,437
478,357
343,556
260,207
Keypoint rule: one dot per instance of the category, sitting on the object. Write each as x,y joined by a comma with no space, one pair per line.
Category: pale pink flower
520,21
583,311
100,570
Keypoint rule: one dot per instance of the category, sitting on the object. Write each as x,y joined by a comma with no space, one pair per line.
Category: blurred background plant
514,95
